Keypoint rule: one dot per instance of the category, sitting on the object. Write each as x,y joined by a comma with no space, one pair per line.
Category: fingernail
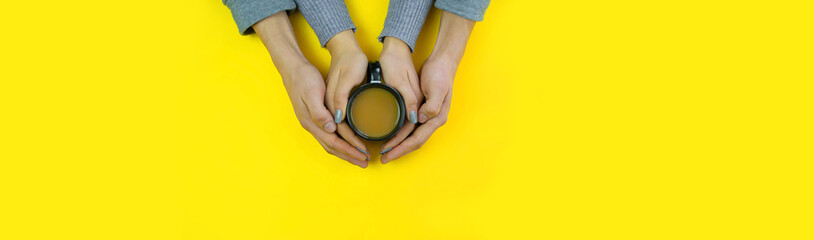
338,116
367,159
412,117
329,127
363,151
386,150
422,118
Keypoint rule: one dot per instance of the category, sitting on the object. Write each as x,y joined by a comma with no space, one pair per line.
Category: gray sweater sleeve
248,12
405,19
469,9
326,17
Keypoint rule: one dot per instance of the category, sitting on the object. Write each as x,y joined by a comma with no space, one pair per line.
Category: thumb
432,107
319,114
340,101
410,101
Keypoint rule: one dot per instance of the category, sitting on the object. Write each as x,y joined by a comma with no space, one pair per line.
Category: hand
348,68
306,90
437,75
399,73
436,85
305,87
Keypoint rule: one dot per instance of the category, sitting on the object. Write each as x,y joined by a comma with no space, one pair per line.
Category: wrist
343,42
453,34
446,57
439,60
393,45
448,49
277,35
291,64
287,59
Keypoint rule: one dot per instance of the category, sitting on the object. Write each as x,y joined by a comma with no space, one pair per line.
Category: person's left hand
437,74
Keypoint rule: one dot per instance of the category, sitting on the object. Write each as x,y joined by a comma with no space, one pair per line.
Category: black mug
374,79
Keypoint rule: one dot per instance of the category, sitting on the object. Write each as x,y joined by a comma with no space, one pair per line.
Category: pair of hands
348,66
312,97
347,70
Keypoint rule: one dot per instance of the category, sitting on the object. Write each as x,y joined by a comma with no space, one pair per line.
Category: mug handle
374,72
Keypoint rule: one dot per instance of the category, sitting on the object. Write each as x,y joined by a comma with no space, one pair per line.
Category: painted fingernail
367,159
422,118
413,119
363,151
338,116
386,150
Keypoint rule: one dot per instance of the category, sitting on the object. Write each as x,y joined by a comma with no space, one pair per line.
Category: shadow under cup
375,111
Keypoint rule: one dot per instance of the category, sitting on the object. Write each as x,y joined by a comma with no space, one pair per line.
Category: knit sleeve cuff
327,18
248,12
405,19
469,9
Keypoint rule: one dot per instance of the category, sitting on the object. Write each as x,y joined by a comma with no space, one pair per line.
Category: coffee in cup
375,111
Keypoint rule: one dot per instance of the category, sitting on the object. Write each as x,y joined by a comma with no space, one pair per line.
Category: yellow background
570,120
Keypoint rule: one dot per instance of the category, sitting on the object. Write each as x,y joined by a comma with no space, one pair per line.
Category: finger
431,108
351,160
420,136
337,146
339,155
410,101
319,114
330,89
349,136
412,143
330,141
347,80
402,81
342,156
398,138
419,96
414,84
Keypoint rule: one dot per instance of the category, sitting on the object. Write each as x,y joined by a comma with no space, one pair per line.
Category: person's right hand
347,71
305,87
